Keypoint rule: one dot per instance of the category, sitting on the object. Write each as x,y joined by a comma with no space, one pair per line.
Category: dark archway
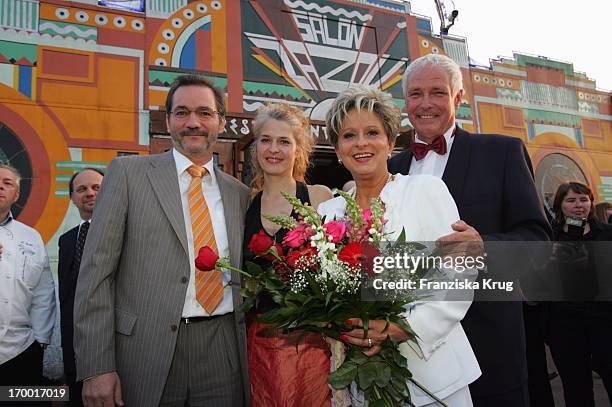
552,171
13,152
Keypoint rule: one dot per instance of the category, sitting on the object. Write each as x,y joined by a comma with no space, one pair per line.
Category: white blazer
443,360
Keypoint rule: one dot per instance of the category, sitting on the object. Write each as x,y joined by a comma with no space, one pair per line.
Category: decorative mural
83,81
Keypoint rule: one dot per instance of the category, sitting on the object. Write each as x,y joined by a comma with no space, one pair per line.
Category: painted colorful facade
82,82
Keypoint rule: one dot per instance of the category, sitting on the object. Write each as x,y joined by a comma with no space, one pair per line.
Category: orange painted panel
491,121
547,76
220,40
118,82
157,97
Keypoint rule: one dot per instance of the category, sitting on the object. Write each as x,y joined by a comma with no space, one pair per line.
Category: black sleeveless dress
253,225
279,376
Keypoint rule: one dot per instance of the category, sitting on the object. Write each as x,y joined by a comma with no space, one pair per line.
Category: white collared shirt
81,225
27,291
212,195
433,163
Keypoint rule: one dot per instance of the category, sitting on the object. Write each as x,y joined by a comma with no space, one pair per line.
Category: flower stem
228,266
430,394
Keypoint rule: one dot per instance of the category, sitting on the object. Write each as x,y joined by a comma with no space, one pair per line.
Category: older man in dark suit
490,178
83,189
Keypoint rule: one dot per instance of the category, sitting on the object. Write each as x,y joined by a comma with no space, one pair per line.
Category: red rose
207,259
294,255
369,253
260,243
351,254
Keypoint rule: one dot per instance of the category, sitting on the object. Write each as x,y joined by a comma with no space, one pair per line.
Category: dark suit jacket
491,179
67,286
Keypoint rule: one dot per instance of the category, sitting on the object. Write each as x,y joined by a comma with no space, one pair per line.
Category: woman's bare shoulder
319,193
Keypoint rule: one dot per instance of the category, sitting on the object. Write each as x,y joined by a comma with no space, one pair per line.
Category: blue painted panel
25,80
188,54
579,137
531,131
423,24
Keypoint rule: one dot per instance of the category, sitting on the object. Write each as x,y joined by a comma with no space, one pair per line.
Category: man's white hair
14,170
430,60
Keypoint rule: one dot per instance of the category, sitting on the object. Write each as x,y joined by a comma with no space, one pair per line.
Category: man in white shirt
83,189
149,328
27,292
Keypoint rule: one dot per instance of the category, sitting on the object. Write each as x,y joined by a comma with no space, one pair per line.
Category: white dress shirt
433,163
212,195
27,291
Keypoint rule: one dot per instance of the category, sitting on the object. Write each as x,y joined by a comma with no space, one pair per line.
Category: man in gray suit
144,336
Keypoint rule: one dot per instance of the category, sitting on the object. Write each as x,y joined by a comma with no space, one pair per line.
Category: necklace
390,177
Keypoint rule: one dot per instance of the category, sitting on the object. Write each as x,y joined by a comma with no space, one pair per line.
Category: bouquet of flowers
316,277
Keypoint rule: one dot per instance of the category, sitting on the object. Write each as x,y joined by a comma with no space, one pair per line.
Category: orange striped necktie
208,284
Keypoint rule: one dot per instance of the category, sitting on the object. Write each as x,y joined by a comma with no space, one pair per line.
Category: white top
27,292
443,361
212,195
433,163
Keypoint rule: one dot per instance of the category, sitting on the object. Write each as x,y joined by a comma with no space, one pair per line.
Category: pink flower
366,214
296,237
335,229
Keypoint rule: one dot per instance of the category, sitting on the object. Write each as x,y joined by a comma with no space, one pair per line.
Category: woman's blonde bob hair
297,120
365,97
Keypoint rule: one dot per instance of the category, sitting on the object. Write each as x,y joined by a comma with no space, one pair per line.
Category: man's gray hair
13,170
430,60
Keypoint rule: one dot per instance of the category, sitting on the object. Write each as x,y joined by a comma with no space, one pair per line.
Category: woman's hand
377,334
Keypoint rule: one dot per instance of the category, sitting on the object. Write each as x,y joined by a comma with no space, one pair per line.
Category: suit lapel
408,161
71,241
231,211
457,165
164,181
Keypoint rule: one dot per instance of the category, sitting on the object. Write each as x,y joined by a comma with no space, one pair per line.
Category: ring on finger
369,342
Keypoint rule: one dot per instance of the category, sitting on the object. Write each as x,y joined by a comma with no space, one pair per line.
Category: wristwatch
43,346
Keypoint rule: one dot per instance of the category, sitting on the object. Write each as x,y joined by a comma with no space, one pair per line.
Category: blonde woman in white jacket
362,124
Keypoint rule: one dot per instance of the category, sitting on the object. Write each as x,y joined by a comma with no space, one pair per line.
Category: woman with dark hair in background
279,373
579,327
603,212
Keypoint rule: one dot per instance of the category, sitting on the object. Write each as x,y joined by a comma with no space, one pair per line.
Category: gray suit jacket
130,291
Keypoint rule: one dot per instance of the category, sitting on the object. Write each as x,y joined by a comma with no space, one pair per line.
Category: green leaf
402,237
383,375
328,297
366,374
343,377
377,403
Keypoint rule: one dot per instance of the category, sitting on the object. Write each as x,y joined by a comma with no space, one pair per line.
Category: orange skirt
281,375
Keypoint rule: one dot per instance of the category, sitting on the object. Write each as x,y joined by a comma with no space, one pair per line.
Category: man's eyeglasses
182,113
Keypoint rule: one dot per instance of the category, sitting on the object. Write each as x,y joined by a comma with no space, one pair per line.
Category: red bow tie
420,150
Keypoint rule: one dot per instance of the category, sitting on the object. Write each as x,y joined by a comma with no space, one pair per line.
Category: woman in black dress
280,375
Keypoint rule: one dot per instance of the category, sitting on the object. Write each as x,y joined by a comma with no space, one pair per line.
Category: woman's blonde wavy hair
297,120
